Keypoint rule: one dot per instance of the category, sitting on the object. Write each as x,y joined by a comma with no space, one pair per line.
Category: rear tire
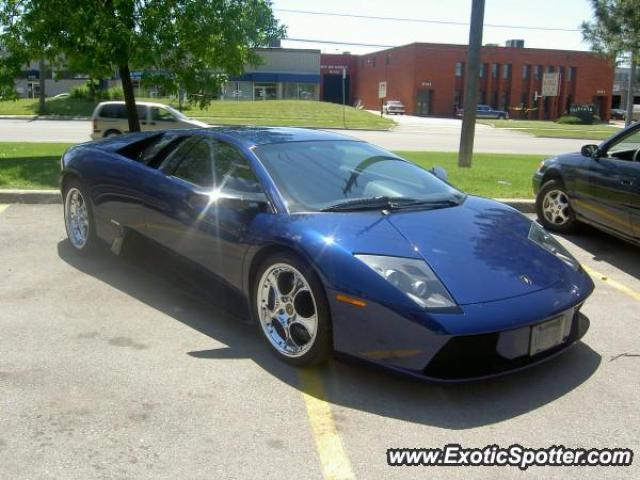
290,306
553,208
78,218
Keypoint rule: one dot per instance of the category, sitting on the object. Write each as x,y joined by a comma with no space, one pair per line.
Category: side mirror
439,172
244,201
590,151
240,201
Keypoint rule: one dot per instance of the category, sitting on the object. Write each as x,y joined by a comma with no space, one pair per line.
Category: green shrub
80,91
570,120
113,93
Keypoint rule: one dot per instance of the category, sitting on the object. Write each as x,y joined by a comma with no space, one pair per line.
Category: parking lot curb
522,204
53,196
30,196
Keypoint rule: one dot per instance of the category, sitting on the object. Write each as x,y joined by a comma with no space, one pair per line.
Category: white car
110,118
395,107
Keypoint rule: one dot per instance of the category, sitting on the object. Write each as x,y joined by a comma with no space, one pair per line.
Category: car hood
480,250
196,123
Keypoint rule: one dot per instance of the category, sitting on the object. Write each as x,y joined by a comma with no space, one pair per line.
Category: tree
180,44
615,32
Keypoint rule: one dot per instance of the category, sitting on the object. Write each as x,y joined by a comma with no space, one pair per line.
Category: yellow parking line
609,281
333,458
3,207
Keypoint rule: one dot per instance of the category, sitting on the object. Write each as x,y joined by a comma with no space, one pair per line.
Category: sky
563,14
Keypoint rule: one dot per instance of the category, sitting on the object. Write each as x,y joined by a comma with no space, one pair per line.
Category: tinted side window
176,152
120,111
158,149
197,165
232,170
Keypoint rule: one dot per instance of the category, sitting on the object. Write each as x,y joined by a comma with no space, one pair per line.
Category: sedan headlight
539,236
413,277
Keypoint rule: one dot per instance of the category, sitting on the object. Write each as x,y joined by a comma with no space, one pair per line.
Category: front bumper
484,340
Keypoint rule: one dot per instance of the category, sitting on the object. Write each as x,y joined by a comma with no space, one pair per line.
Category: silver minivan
110,118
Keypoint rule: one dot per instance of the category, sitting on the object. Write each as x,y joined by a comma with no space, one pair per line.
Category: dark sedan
599,186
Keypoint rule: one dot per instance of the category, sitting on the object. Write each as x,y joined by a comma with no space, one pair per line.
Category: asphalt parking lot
129,367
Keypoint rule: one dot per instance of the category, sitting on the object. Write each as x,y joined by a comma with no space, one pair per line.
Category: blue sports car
337,246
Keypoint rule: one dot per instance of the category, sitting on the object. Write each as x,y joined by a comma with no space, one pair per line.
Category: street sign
382,90
550,84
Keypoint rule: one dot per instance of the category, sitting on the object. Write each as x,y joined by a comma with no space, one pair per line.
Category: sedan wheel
554,209
292,311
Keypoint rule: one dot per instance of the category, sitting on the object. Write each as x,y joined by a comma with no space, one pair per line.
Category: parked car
599,186
110,118
618,113
62,95
337,245
393,107
485,111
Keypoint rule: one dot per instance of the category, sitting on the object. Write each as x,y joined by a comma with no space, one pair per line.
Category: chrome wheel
555,207
287,310
77,218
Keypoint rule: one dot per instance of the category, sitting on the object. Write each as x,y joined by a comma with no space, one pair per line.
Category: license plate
549,334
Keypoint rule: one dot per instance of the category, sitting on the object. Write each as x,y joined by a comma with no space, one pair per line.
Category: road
129,367
411,133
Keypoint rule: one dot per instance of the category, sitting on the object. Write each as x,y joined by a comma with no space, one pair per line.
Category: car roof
141,104
251,136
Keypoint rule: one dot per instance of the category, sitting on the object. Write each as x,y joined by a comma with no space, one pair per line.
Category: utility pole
630,90
471,84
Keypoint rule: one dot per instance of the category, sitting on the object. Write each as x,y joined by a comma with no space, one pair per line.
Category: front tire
78,218
291,309
553,208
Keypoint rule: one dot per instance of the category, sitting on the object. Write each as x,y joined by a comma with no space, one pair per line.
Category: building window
524,96
494,99
458,69
506,71
525,71
482,97
550,69
300,91
482,70
536,72
504,101
494,70
572,74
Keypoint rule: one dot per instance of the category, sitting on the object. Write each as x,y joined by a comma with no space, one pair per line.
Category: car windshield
323,175
176,113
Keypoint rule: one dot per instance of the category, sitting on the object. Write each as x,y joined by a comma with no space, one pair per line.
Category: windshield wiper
389,203
430,204
371,203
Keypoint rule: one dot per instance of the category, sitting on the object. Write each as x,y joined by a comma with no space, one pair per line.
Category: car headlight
542,238
413,277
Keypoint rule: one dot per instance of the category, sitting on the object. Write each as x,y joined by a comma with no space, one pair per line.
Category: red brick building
429,79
